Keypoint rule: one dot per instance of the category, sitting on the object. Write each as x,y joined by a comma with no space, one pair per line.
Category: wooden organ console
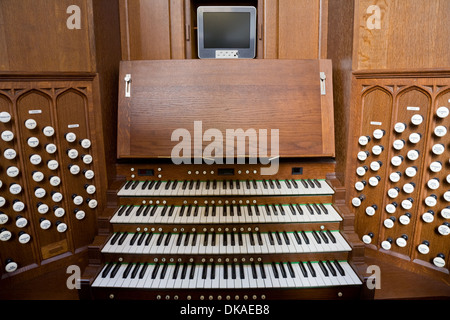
212,231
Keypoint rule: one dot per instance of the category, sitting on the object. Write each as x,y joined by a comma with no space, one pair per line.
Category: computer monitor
226,32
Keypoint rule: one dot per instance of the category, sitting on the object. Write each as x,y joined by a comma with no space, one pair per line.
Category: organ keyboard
224,230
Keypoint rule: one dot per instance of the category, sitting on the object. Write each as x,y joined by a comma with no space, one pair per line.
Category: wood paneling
152,30
34,37
413,34
279,95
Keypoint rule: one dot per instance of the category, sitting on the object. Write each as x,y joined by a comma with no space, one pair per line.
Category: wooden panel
152,30
413,34
36,37
298,30
279,95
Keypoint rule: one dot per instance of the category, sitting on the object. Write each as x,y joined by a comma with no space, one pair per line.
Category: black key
147,209
324,209
240,241
196,211
134,238
324,270
185,182
149,237
274,209
115,270
261,268
158,184
231,184
160,239
247,184
129,209
291,269
115,238
205,239
316,237
324,237
238,185
299,209
231,210
164,210
183,272
214,210
194,239
213,271
303,269
339,267
305,237
255,185
331,268
151,185
134,185
267,210
207,184
272,242
260,241
316,208
191,274
135,270
254,274
311,184
239,212
191,184
172,207
283,270
225,240
214,185
155,270
288,184
225,209
167,186
275,271
310,209
197,185
164,270
294,183
233,243
304,184
286,238
188,214
278,184
143,270
213,239
241,270
281,209
249,209
166,242
175,271
297,237
233,271
122,238
311,269
153,211
331,236
271,184
128,184
277,235
174,185
257,210
204,271
317,183
206,210
225,270
121,210
252,240
265,185
139,211
180,237
107,269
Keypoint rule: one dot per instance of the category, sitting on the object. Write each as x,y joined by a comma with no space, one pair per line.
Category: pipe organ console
225,229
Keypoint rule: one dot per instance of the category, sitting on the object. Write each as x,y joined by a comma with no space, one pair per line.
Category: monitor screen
226,32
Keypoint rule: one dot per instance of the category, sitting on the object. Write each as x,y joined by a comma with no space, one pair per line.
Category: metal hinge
323,78
128,86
